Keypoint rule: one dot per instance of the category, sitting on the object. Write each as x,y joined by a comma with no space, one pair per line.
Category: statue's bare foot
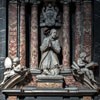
46,72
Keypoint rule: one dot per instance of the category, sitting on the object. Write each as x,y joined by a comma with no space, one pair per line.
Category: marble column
66,36
34,37
12,30
22,36
78,34
87,27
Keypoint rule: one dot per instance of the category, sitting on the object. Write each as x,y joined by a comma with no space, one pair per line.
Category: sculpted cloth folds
49,49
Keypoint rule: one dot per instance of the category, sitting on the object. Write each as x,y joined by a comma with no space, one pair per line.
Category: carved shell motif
8,63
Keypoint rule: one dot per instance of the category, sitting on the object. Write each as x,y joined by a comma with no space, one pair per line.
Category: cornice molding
25,1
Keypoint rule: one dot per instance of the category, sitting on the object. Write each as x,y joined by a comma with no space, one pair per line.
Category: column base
35,71
87,98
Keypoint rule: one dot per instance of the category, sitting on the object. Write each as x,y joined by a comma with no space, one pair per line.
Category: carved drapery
66,36
22,36
34,37
12,30
87,27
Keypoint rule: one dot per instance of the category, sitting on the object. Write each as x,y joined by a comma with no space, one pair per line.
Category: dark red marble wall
83,29
87,28
78,33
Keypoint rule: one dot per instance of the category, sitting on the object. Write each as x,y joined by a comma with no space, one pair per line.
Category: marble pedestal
47,81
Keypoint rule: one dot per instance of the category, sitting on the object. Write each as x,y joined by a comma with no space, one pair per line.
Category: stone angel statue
83,71
13,69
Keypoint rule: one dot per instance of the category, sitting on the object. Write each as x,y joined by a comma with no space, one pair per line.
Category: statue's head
53,33
83,55
16,61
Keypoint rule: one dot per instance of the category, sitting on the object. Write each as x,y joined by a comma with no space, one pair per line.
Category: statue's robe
49,57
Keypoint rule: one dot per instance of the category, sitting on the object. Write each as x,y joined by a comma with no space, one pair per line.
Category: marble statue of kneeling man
50,48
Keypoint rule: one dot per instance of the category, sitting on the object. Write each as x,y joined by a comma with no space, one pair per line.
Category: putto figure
49,49
82,70
12,67
85,66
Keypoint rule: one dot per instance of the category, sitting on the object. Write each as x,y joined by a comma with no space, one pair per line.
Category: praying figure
50,49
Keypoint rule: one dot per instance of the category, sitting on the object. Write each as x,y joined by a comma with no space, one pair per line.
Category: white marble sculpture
83,70
12,67
49,49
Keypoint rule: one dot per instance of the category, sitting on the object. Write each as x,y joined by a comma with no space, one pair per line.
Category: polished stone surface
50,92
34,37
87,29
12,31
49,77
22,36
66,37
78,31
49,81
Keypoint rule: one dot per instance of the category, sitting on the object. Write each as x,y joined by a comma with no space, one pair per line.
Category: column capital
65,1
78,1
16,1
25,1
13,1
33,1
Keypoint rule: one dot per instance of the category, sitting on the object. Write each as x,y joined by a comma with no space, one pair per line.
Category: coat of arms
50,16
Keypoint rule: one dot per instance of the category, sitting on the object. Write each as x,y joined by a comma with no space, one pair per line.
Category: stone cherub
49,49
83,67
12,67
